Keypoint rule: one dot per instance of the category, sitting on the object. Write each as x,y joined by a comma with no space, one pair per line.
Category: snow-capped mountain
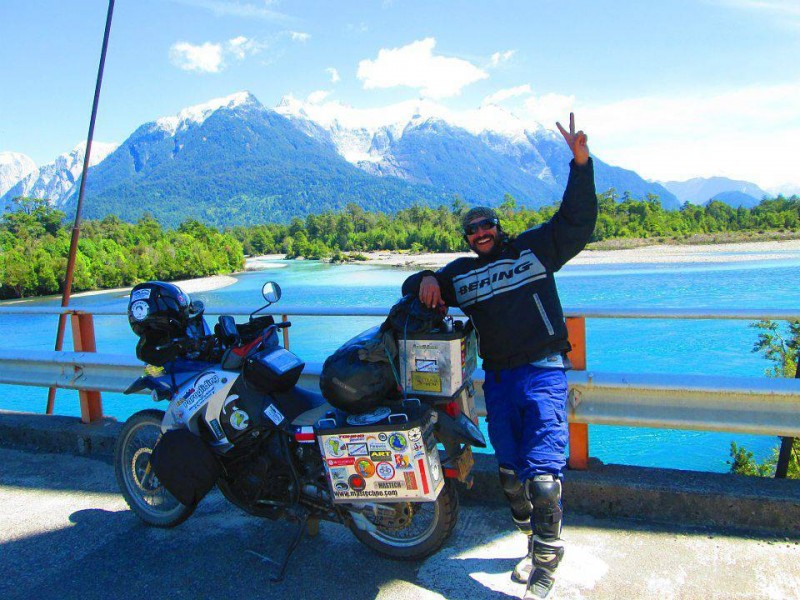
13,167
701,190
481,154
56,181
232,161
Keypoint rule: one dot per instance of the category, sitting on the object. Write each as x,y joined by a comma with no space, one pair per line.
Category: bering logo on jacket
497,278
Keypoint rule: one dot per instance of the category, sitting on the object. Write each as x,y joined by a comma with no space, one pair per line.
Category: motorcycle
283,452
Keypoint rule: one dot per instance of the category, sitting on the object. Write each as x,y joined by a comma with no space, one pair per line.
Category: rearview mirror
271,292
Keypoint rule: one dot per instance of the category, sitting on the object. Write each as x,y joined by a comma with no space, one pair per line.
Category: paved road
65,532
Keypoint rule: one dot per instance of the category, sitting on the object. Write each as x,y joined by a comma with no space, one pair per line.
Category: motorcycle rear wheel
146,496
423,529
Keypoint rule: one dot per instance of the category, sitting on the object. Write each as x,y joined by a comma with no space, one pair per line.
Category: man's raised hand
577,142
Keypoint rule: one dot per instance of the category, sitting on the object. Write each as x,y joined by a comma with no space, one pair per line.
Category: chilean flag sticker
305,435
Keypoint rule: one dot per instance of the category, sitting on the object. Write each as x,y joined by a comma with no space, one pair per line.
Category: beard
493,250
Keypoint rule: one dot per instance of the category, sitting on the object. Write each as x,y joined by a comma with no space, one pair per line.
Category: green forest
34,238
34,244
421,229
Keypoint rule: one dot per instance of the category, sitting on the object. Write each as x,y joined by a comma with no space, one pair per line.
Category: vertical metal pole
73,245
84,341
285,318
578,432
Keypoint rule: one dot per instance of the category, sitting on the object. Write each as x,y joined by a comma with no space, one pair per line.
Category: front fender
147,382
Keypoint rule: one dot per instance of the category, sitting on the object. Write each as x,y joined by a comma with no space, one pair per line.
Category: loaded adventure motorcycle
236,419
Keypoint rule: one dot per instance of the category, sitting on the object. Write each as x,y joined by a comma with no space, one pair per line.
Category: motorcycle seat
310,417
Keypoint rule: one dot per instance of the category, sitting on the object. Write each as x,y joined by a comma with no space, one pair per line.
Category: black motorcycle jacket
511,297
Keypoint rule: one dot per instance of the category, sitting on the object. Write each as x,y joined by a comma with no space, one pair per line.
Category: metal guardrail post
285,318
578,432
84,341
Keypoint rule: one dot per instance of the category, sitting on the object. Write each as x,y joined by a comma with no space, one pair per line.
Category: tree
781,348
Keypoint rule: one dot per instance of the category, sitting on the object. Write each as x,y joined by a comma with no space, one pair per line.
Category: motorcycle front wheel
411,530
142,490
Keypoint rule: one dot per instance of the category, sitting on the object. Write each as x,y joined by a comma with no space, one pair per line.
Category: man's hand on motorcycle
429,292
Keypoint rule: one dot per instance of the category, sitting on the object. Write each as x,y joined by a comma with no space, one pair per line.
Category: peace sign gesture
575,141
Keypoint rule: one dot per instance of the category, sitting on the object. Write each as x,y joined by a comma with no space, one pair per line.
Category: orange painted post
285,318
83,341
578,432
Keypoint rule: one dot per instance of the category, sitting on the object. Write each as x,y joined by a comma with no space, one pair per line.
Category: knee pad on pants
514,491
544,492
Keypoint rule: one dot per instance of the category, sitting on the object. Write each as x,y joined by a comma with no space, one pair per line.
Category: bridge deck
65,532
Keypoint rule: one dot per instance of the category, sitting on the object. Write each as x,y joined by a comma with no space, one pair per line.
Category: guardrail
709,403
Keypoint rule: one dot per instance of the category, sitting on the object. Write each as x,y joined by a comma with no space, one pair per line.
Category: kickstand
301,527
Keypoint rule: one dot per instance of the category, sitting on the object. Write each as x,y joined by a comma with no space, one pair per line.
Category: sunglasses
483,225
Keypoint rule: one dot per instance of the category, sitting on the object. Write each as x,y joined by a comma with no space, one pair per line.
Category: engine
260,480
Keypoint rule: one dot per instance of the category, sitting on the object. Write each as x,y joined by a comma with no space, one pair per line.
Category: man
509,292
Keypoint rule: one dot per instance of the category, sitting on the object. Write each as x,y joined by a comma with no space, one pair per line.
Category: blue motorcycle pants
527,419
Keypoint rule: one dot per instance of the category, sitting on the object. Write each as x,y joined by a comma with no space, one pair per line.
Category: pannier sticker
334,447
384,470
425,382
411,480
139,310
382,437
424,365
365,468
341,462
388,485
357,483
339,473
398,441
240,420
341,486
378,446
142,294
274,415
435,470
415,434
380,455
401,462
417,446
357,449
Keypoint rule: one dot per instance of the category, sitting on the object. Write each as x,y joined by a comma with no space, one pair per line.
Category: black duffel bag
359,376
185,465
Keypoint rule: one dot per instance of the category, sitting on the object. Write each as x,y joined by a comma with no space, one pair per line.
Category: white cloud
749,133
210,57
317,97
241,47
416,66
334,75
299,36
549,108
505,94
501,57
206,58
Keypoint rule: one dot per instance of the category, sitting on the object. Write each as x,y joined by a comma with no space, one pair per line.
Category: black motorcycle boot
522,571
546,556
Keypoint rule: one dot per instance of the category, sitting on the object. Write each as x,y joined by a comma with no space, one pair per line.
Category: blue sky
671,89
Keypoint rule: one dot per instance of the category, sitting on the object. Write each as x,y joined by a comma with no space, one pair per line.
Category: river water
614,345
